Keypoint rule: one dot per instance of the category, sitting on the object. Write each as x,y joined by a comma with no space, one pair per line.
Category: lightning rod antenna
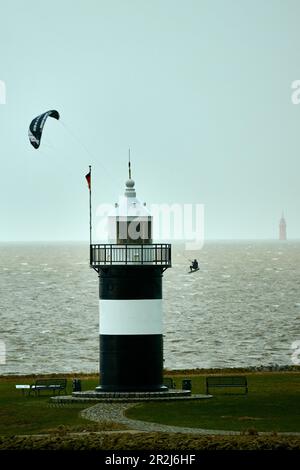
129,166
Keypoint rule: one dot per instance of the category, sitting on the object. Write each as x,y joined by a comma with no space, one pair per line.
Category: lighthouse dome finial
130,190
130,183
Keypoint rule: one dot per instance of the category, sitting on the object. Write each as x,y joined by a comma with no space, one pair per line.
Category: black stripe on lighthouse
131,330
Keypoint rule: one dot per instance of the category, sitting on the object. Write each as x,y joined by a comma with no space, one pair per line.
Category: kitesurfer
194,265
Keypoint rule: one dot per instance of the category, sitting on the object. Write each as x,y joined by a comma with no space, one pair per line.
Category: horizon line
160,241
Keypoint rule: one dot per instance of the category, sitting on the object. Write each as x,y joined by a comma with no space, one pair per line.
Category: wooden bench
226,381
169,382
51,385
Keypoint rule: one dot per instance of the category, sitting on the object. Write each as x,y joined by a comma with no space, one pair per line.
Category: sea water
242,308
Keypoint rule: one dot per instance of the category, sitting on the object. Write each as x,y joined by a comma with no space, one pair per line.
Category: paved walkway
115,412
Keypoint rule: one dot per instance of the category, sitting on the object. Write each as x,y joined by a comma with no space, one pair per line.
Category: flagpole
90,205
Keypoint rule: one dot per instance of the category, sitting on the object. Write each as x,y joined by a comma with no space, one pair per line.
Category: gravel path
115,412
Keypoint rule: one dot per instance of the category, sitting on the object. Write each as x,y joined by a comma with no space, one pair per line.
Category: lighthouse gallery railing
130,254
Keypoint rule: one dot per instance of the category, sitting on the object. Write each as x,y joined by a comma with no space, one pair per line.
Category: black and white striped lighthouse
130,291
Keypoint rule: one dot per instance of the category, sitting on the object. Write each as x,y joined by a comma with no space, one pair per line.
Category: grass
272,404
36,415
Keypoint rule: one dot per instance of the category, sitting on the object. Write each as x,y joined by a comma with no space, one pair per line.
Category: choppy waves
241,309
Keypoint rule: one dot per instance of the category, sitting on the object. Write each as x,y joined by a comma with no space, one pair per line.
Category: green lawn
272,404
31,415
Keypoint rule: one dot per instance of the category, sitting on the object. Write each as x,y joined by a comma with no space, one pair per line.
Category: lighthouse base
131,363
133,389
123,397
133,396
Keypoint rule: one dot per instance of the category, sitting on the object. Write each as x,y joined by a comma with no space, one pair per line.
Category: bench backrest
46,382
168,381
227,380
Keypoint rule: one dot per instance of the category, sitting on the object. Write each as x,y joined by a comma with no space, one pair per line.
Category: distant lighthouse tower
130,291
282,228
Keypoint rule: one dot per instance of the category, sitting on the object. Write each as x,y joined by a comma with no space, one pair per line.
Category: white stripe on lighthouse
131,317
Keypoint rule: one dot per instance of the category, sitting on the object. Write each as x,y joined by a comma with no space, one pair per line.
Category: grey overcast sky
199,89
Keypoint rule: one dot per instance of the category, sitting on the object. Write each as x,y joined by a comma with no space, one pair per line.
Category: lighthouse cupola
131,218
